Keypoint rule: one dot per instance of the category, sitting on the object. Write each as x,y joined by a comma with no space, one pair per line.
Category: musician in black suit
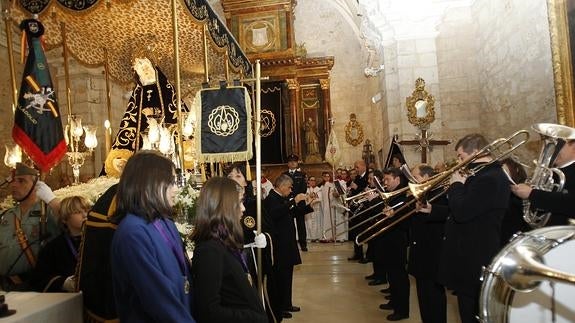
299,186
477,206
280,210
560,204
427,229
395,240
358,185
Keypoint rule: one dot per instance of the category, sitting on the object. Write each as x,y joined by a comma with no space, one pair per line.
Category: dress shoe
386,306
388,297
385,290
286,315
364,261
303,248
397,317
354,258
293,309
376,282
370,277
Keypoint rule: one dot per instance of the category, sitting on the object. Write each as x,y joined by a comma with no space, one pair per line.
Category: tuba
553,136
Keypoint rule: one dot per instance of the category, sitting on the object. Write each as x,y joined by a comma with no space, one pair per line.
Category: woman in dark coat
222,285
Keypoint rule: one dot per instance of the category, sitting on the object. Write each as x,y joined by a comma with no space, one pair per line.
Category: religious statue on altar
153,102
311,142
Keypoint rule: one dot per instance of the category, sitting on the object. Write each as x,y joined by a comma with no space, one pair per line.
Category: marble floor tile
329,289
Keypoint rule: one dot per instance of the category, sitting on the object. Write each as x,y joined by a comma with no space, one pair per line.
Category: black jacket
473,229
427,232
559,203
222,292
286,252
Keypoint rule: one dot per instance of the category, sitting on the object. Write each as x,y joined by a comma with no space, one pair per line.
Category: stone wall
514,60
326,32
459,76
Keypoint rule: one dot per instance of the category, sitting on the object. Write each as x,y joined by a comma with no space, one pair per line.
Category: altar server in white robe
333,210
314,220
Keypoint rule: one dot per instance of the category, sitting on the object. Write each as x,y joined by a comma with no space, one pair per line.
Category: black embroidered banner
37,125
224,130
272,129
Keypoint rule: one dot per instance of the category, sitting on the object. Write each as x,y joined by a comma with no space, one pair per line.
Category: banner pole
10,46
258,142
178,83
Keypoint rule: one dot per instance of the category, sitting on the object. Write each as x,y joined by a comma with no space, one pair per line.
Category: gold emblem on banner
249,222
224,120
268,125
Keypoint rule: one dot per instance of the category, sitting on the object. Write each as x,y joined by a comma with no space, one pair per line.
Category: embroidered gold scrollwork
224,120
268,121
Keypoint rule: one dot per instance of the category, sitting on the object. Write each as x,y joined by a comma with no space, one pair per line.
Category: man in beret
299,186
26,226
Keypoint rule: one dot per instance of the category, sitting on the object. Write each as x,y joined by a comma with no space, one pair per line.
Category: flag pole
258,142
7,20
178,83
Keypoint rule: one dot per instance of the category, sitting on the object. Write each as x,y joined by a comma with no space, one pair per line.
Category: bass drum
532,279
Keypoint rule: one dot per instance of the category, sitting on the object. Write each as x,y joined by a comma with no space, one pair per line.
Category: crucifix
425,143
421,113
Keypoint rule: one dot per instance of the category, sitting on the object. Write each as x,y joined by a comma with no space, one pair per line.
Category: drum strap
23,241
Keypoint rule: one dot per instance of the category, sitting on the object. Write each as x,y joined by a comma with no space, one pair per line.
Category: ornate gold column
324,84
293,87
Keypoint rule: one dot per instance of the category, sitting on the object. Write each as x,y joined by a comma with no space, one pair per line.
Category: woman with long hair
150,270
223,287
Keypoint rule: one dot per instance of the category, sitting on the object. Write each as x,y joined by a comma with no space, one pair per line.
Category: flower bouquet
186,211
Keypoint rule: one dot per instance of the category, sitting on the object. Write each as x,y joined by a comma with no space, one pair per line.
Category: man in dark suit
560,204
394,241
427,229
279,208
299,186
358,185
477,206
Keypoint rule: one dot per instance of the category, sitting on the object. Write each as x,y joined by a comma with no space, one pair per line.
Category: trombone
393,220
419,191
493,149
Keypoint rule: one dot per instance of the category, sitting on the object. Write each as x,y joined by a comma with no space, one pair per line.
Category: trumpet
384,198
360,197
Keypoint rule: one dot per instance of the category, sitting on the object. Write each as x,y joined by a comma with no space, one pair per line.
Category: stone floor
329,289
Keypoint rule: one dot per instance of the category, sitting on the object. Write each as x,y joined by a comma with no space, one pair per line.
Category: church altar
44,307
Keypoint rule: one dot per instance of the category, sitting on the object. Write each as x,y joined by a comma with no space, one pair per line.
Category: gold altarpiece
264,29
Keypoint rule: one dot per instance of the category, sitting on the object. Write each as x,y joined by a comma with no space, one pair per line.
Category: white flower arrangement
186,206
91,190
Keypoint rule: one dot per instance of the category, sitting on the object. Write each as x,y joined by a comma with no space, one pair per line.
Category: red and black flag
37,126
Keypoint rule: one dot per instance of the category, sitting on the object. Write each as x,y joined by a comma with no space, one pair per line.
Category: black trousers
301,232
399,286
432,301
284,280
468,308
377,254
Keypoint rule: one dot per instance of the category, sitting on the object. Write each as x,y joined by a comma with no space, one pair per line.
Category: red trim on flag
43,161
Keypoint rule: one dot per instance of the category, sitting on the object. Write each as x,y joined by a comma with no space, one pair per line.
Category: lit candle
108,136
